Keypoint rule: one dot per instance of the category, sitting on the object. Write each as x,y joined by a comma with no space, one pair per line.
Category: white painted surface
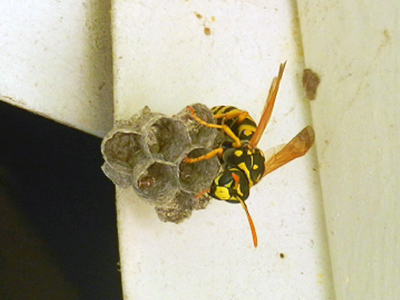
164,59
55,60
355,46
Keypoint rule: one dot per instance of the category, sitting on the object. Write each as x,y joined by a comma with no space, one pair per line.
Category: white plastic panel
55,60
164,57
354,46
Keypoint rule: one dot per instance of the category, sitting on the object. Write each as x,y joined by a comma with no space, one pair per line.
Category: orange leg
201,194
237,143
233,114
208,155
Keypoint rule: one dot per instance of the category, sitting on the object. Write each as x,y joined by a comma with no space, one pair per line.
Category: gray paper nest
147,153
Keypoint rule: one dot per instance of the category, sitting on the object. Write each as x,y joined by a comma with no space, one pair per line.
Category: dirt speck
310,83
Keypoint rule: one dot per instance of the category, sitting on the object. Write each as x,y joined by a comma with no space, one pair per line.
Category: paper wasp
243,164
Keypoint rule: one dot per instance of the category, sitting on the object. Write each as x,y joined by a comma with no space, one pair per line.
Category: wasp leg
237,143
240,114
201,194
208,155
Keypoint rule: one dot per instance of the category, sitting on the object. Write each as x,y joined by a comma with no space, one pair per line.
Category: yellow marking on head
222,193
238,153
216,180
243,167
255,167
229,184
249,152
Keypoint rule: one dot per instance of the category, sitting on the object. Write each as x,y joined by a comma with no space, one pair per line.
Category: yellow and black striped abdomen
243,126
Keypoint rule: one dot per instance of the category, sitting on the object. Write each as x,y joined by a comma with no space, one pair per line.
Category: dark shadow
51,175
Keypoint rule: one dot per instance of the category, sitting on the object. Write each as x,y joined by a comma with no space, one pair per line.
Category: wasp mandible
243,164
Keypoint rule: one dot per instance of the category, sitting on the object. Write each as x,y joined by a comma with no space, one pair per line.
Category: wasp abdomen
242,125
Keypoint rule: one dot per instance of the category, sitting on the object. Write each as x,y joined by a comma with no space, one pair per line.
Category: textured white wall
164,59
55,60
355,46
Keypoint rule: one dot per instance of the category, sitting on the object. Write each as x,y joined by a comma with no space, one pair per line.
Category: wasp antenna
269,107
251,223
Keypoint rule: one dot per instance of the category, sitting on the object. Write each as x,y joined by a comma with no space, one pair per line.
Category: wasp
243,164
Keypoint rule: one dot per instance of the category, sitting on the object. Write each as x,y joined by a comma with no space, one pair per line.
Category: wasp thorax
250,161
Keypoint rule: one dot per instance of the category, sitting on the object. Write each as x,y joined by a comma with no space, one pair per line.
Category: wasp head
230,185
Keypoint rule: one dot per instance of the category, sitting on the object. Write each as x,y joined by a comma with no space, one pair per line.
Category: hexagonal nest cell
147,152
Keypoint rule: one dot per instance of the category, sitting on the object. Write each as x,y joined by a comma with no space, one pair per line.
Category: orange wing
269,106
297,147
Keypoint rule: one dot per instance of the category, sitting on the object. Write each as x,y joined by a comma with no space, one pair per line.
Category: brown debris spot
310,83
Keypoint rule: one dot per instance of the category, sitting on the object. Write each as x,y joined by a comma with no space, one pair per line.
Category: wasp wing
297,147
269,106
